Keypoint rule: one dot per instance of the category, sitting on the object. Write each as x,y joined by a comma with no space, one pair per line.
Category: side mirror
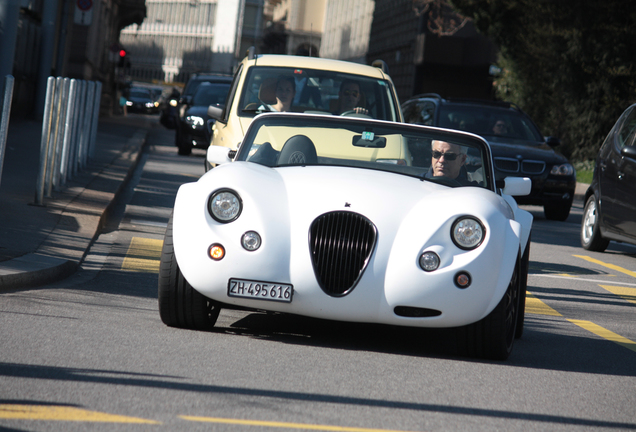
215,112
517,186
552,141
629,152
218,155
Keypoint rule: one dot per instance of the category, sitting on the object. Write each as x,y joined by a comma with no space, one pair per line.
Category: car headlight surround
194,121
225,205
468,232
562,170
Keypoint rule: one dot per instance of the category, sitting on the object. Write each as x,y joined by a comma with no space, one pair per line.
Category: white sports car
352,219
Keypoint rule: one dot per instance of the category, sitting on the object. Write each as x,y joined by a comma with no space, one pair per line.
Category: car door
617,179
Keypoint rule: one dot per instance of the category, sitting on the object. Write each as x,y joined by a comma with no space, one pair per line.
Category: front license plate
260,290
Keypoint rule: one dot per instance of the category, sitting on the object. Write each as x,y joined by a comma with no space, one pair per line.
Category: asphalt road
91,353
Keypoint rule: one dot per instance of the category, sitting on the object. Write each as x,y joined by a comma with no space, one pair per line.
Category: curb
36,269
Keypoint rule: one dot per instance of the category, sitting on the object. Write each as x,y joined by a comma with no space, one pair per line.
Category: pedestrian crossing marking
63,413
143,255
536,306
628,294
605,334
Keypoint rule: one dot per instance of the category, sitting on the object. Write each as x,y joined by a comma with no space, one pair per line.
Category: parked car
518,147
320,86
140,100
610,201
193,83
312,216
194,127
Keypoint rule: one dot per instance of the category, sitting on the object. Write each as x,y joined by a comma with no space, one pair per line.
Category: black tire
591,238
493,337
557,211
523,286
180,305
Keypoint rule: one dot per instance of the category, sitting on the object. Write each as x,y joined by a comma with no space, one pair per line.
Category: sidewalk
41,244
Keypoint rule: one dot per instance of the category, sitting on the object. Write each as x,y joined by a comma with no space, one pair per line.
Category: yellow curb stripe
609,266
605,334
63,413
304,426
536,306
628,294
143,255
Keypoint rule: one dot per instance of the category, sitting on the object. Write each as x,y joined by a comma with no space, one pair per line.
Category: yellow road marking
536,306
282,424
628,294
605,334
609,266
143,255
63,413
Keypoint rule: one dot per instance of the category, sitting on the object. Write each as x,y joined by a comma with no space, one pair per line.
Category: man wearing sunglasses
350,99
447,161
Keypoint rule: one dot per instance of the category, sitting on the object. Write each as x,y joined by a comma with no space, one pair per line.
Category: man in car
350,98
448,160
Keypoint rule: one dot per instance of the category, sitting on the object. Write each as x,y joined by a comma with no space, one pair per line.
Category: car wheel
590,231
523,286
493,337
557,211
180,305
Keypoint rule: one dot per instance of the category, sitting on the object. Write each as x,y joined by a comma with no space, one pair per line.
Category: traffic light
122,58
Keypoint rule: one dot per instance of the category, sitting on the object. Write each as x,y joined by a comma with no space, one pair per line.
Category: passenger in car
500,127
284,95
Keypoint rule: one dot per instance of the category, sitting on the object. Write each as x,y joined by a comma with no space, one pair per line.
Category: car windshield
321,91
489,121
136,93
450,158
211,94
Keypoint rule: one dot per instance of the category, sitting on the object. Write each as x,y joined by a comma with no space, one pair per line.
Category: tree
570,64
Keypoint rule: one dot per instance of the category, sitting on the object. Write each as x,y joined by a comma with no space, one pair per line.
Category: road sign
83,12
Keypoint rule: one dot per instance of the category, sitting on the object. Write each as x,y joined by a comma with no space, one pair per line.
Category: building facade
347,29
182,37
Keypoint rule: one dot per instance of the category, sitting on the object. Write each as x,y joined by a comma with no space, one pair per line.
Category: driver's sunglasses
447,156
353,93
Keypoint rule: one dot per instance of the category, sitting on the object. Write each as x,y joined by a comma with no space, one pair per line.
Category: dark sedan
610,201
194,128
140,100
518,147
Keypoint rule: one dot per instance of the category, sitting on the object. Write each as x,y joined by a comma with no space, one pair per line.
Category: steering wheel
354,113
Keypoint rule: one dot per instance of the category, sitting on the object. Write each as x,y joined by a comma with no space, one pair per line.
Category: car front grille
514,166
340,243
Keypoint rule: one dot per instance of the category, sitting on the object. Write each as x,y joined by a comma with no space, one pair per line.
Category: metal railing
4,117
69,130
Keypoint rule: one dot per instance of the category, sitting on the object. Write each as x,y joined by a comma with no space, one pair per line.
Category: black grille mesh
341,243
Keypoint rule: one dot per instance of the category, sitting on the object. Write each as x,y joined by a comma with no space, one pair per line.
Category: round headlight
429,261
225,205
251,241
467,232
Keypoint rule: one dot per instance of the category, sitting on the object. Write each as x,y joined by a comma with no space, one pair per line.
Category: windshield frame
298,121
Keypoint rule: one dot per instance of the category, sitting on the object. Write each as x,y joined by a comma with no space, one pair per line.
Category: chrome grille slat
341,243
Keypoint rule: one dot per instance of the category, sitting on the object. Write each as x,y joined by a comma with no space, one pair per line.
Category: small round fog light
429,261
216,252
251,241
462,280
